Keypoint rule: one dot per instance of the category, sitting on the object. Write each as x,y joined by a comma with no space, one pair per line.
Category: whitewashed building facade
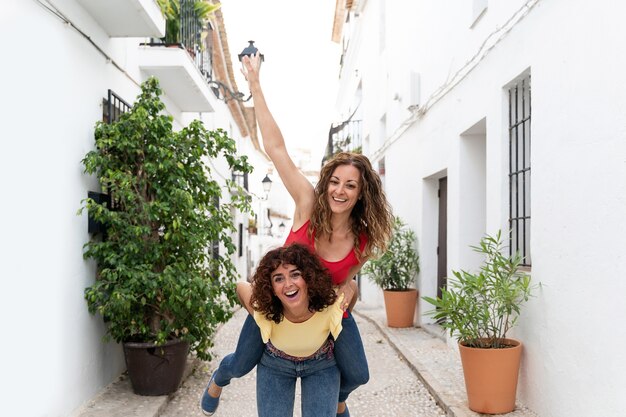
59,62
484,115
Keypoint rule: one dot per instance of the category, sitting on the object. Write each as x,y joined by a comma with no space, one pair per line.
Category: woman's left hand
348,289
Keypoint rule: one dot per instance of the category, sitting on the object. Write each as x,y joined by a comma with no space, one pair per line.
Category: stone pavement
413,372
437,365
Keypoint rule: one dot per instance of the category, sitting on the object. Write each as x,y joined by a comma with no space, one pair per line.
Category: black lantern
221,90
249,51
267,185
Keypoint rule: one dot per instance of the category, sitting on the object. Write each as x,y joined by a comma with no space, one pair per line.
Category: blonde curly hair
371,216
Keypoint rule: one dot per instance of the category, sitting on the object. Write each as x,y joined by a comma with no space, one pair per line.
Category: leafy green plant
396,269
479,309
157,279
171,10
343,145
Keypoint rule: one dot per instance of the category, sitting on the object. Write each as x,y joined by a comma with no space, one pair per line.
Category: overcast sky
299,75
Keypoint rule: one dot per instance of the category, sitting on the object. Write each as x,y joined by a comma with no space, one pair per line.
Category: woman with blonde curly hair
369,216
345,220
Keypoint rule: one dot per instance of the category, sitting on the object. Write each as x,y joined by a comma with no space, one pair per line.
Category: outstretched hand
251,67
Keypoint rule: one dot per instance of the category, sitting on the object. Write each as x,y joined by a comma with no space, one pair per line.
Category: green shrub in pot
478,309
396,269
157,277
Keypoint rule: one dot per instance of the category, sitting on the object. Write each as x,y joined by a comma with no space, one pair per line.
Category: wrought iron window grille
344,137
240,179
112,108
519,169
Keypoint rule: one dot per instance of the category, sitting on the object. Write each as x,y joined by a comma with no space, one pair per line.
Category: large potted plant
478,309
158,285
395,272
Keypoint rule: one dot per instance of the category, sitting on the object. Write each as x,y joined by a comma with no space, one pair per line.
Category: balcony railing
113,107
344,137
194,36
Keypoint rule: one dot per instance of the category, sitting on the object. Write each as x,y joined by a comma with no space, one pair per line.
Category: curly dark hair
316,276
372,214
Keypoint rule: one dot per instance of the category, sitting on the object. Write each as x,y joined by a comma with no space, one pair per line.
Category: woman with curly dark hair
345,219
296,309
263,296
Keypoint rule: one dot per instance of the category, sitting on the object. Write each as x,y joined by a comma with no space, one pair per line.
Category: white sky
300,71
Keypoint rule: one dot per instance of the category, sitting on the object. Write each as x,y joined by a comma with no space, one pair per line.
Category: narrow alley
393,389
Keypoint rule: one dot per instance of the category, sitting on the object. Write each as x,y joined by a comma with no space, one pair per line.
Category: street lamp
267,185
269,221
249,51
227,93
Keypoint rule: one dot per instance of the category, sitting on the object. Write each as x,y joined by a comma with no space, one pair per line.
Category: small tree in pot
478,310
395,272
157,281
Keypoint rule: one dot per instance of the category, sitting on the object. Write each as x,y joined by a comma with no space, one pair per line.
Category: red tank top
338,269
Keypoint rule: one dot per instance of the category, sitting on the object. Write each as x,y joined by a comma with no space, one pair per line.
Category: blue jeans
349,354
276,386
350,357
246,356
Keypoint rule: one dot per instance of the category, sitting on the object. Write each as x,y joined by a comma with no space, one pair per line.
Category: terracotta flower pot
400,307
491,377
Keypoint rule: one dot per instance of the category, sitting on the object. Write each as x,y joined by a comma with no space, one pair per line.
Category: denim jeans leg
320,389
350,357
246,356
275,388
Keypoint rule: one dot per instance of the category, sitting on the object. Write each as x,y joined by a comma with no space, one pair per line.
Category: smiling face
290,287
344,188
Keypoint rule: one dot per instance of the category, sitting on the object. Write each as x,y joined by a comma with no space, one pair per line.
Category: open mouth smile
292,294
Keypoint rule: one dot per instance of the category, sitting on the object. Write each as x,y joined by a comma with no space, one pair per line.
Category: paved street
393,390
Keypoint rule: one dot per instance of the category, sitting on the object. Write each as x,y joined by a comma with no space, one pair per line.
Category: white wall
53,84
571,366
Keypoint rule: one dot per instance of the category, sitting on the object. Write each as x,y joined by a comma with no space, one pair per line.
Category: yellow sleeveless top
302,339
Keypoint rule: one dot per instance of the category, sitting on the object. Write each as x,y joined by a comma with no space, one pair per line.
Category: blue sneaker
346,412
209,404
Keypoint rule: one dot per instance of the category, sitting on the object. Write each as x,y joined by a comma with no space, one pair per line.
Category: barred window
113,107
519,169
241,179
344,137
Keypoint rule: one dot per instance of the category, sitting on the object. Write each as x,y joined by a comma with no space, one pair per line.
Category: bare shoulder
304,209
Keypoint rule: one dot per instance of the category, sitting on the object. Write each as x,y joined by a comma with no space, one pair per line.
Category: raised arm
296,183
